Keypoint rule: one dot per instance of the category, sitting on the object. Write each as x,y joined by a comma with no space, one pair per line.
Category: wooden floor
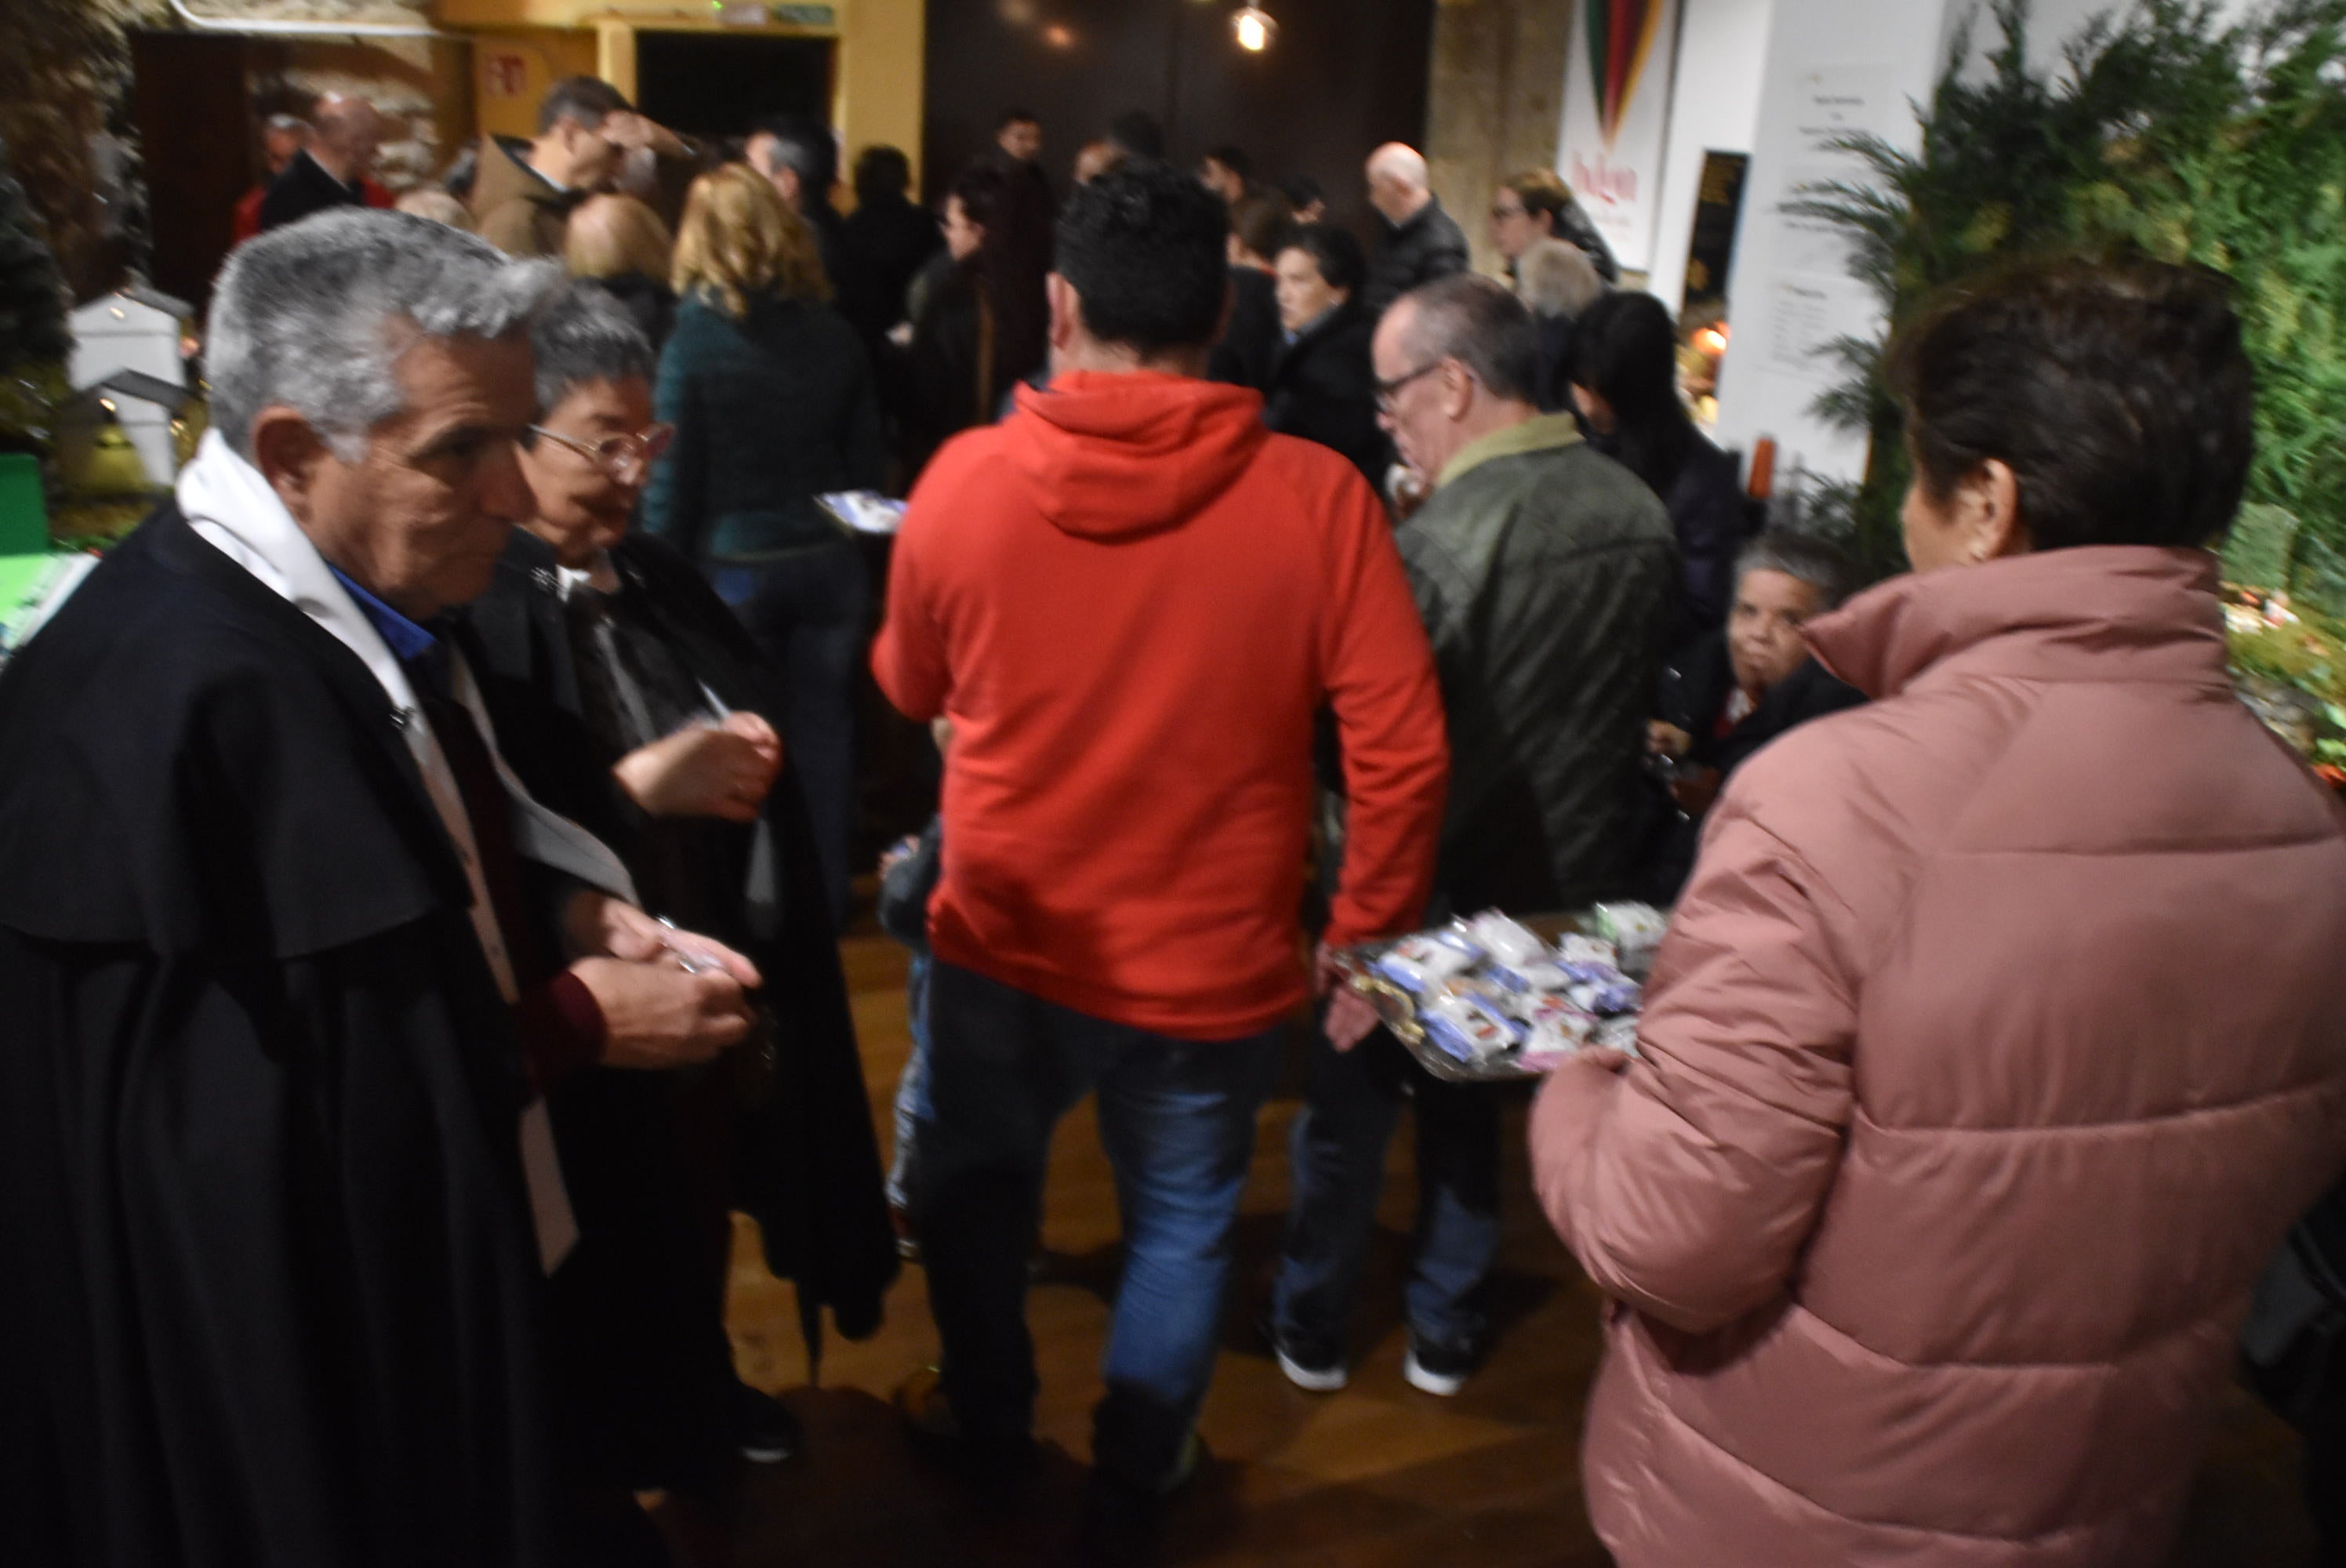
1377,1474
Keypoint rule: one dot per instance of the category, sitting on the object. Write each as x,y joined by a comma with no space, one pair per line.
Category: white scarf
232,508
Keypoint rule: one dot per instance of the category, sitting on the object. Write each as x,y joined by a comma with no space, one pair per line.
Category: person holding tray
1975,1088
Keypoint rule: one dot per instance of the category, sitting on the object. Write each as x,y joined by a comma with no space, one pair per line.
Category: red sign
505,75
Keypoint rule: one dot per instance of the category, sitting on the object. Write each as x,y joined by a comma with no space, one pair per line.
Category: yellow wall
523,46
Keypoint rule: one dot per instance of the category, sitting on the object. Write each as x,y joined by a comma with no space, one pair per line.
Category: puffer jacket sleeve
1688,1184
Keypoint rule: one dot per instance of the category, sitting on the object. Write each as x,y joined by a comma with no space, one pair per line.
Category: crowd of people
424,846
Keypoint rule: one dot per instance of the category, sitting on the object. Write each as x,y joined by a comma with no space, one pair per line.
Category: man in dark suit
332,170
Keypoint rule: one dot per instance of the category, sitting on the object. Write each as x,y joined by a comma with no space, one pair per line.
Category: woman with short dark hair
1625,383
1994,1044
1321,386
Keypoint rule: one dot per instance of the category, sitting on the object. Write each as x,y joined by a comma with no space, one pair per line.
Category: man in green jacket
1545,572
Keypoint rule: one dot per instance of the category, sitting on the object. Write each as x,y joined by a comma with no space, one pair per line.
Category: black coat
886,240
810,1167
1324,389
649,299
1430,245
1695,687
301,187
266,1269
1253,339
1571,226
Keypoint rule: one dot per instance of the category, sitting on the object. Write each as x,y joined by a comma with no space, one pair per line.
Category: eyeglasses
1389,390
622,457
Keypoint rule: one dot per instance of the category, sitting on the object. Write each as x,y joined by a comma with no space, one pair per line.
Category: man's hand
1349,1017
723,772
626,128
657,1015
597,925
1667,740
1695,791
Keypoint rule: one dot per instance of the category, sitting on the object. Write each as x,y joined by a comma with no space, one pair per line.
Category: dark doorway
719,84
190,99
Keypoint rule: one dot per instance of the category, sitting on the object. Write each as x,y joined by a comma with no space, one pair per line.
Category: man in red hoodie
1132,601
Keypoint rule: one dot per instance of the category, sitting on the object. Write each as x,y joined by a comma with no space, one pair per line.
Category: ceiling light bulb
1254,28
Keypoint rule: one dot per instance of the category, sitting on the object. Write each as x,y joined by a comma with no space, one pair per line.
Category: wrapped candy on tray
1492,997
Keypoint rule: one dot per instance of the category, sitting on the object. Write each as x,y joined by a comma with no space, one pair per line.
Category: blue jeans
912,1104
807,611
1177,1119
1352,1104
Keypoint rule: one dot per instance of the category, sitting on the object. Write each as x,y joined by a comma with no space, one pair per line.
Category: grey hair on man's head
1559,279
315,315
1479,322
586,335
1806,556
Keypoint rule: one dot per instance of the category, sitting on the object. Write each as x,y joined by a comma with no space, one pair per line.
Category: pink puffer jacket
1999,1037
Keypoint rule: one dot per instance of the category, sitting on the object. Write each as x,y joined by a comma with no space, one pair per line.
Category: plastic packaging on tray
1491,998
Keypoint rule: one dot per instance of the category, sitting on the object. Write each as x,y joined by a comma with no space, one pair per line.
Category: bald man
1421,242
332,170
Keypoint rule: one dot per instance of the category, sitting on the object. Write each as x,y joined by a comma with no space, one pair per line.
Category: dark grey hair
314,316
1479,322
586,335
1805,556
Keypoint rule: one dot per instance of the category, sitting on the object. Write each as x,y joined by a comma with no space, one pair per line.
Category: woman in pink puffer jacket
2002,1031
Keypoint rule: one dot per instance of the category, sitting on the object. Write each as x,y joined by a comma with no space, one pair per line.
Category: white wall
1714,107
1900,45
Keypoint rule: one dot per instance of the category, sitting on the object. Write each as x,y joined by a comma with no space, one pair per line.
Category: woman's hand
723,771
1694,790
1664,738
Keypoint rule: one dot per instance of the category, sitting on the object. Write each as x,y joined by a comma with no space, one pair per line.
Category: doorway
709,84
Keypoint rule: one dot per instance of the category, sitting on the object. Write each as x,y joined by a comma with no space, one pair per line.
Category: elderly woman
1995,1042
281,997
1322,387
629,699
771,399
1734,691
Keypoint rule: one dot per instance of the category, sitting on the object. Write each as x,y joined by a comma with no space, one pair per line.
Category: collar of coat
1541,432
2090,612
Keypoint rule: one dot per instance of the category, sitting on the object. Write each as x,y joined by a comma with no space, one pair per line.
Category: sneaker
1433,1367
768,1433
908,1245
1309,1368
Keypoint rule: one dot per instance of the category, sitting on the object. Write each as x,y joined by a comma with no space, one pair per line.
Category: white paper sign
1616,118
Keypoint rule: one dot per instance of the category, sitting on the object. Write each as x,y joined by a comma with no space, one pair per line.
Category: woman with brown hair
978,322
771,399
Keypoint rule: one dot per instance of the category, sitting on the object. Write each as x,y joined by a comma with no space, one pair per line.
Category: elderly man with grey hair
1545,573
290,956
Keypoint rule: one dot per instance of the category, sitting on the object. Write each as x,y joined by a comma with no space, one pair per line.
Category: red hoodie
1132,600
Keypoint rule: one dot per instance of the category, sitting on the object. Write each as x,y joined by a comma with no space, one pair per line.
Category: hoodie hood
1114,456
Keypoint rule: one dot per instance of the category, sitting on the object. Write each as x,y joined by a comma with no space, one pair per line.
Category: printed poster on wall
1616,118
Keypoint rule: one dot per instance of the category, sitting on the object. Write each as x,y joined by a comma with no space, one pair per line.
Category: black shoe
1436,1367
1308,1365
764,1426
936,1431
1123,1522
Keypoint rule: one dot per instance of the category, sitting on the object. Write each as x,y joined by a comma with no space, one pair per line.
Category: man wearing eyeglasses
1543,572
291,958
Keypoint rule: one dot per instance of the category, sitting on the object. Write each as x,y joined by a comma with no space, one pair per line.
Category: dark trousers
1177,1119
1352,1104
809,610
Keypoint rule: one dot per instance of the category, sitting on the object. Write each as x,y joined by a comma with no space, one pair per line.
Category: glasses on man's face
624,458
1389,392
